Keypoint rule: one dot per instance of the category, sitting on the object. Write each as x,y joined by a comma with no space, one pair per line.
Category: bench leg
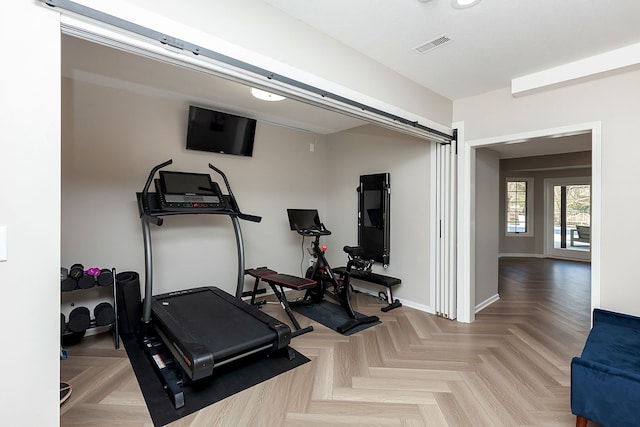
279,293
581,422
255,290
392,304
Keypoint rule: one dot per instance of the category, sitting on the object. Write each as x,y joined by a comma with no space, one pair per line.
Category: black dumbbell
105,278
86,282
89,278
67,283
79,319
104,314
76,271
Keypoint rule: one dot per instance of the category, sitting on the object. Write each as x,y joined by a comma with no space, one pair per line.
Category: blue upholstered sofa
605,379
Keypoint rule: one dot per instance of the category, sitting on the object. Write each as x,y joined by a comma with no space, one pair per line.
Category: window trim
530,215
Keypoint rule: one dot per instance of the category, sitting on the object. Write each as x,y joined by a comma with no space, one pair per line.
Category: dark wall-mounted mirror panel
373,216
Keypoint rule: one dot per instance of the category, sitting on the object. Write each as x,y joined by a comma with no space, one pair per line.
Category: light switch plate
3,243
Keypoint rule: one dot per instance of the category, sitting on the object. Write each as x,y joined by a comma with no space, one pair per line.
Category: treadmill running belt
211,322
208,326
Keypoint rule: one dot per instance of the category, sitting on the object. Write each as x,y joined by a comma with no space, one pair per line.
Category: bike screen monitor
304,219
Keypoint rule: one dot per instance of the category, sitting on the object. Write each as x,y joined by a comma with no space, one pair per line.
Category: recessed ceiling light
463,4
265,96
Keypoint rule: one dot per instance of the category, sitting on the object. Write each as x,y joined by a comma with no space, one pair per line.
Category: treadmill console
185,191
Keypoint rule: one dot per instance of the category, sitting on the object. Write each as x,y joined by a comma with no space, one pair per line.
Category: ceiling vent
430,45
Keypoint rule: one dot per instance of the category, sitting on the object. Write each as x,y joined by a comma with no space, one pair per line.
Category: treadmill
187,334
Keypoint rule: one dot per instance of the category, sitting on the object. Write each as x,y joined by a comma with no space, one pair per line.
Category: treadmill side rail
196,360
283,334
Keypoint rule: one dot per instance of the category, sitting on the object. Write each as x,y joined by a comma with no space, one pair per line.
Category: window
519,206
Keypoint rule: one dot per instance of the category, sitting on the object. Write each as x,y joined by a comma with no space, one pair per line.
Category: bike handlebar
317,232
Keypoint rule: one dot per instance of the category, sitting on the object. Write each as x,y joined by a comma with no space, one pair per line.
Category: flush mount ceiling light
265,96
463,4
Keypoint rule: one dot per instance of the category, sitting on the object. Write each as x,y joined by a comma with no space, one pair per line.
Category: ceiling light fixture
265,96
463,4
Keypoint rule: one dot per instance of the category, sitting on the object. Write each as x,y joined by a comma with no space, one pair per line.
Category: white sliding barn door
446,213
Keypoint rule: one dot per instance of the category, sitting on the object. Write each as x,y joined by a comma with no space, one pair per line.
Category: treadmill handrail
234,209
247,217
232,198
145,194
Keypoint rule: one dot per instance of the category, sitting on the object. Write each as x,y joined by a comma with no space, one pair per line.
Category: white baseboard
570,259
407,303
421,307
366,291
486,303
97,330
523,255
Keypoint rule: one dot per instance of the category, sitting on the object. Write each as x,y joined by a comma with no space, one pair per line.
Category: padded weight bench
277,282
377,279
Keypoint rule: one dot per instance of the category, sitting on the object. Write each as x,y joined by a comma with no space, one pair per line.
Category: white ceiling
492,42
86,61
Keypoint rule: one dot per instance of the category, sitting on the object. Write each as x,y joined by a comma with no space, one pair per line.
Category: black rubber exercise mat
226,381
330,315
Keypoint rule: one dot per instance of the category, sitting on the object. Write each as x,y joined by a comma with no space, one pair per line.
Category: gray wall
486,225
368,150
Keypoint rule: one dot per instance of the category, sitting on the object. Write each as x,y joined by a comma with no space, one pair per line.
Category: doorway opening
466,241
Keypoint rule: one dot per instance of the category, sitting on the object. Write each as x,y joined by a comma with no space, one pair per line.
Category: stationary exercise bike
306,222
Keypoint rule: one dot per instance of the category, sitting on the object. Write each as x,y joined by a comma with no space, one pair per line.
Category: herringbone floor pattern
509,368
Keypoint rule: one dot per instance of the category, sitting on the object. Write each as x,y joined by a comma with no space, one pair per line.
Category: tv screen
219,132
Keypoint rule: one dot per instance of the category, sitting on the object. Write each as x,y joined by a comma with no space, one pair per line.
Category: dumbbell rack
93,324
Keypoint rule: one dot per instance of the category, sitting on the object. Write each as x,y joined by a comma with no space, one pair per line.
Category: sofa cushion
614,345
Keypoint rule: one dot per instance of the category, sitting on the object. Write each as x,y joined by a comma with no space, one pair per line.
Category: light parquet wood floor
509,368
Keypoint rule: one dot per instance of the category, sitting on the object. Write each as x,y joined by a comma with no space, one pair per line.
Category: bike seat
353,251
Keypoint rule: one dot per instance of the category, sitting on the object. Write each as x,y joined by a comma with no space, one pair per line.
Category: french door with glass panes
568,217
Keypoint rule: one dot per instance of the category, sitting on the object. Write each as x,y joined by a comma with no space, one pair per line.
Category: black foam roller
104,314
129,302
79,319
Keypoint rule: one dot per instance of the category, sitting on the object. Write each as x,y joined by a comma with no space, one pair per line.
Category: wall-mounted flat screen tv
219,132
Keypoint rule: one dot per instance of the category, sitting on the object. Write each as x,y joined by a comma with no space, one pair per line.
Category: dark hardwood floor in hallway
508,368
